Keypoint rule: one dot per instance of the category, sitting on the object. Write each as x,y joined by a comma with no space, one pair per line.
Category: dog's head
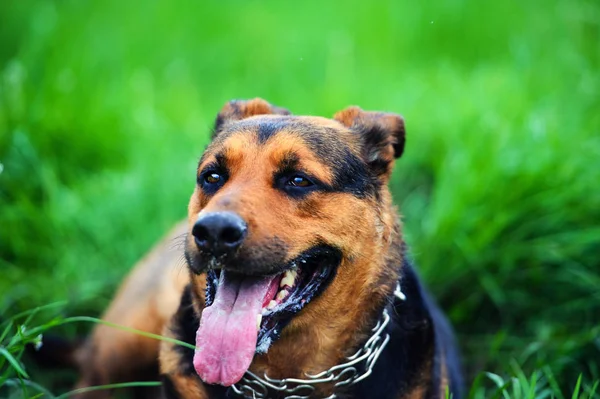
290,216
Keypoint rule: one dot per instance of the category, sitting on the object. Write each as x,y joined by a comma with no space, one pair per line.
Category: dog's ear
381,135
236,110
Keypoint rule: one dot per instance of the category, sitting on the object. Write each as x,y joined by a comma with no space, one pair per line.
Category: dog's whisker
178,242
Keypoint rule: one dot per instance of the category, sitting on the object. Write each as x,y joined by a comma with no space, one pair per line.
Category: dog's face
284,212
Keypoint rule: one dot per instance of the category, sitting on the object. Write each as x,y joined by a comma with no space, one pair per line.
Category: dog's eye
212,178
299,181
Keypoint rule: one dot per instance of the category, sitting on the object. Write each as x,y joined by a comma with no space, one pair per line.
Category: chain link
346,374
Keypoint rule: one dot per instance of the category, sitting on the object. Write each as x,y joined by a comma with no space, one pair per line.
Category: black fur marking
446,344
218,391
221,160
376,137
351,176
168,389
55,352
374,142
219,121
268,129
184,326
207,153
232,113
419,332
289,164
410,346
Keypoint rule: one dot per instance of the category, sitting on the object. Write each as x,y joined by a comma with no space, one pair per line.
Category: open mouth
245,314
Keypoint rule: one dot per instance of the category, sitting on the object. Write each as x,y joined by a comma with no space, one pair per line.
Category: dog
298,282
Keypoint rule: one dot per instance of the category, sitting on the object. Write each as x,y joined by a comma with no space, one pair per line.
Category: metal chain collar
345,374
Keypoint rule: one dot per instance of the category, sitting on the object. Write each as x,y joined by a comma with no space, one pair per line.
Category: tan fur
145,301
185,385
417,393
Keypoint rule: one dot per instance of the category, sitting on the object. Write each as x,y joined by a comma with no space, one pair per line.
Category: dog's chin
295,284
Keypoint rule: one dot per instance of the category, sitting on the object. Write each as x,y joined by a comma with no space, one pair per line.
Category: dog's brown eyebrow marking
220,161
205,155
226,158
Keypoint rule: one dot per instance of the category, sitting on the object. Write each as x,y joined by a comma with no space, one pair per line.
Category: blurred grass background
105,108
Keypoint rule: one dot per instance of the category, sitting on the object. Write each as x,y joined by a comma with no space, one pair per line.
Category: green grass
105,108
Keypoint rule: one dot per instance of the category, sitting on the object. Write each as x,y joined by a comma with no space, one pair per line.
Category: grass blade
38,330
43,391
577,388
14,362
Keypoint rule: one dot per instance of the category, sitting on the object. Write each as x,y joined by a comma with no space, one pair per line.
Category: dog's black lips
318,266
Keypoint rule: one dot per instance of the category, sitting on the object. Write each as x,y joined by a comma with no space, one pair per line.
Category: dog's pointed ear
382,136
236,110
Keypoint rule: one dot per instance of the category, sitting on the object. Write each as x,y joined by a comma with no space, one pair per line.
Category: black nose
219,232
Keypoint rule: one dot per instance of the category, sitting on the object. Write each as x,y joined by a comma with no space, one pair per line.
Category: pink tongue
226,338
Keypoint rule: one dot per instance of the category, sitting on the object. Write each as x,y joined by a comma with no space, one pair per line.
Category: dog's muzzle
219,232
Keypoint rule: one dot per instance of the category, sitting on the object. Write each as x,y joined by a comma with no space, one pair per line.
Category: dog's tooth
281,295
288,278
272,304
258,321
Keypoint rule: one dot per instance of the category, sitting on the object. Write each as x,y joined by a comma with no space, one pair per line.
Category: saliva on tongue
226,337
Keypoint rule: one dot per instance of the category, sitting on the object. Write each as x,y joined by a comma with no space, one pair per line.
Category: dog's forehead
327,138
325,141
